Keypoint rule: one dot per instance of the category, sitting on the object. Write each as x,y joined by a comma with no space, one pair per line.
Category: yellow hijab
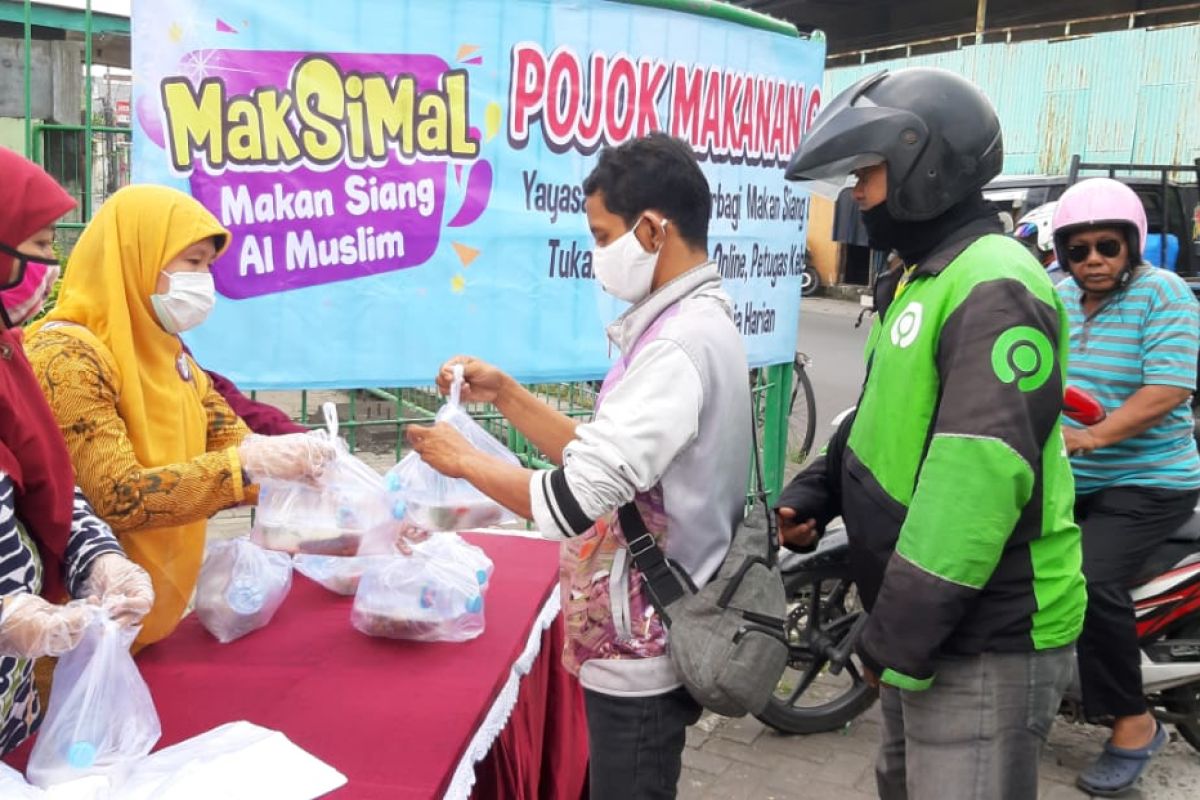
106,291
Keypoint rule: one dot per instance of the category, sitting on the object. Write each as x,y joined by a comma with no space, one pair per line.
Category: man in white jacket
671,433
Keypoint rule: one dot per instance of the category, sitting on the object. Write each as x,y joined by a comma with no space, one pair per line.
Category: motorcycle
823,687
810,279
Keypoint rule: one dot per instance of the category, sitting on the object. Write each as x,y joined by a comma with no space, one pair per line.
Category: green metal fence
63,150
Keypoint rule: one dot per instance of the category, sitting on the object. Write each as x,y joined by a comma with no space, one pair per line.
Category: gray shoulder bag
727,639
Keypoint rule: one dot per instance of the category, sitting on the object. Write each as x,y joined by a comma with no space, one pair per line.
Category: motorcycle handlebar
1082,407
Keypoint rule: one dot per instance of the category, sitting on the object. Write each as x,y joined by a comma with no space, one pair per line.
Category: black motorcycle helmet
938,134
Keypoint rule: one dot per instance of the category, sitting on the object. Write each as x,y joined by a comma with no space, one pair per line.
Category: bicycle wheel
802,413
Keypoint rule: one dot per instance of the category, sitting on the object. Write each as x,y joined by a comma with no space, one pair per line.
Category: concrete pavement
741,759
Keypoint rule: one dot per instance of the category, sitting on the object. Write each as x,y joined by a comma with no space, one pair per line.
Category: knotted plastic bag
240,587
101,717
425,597
329,516
429,500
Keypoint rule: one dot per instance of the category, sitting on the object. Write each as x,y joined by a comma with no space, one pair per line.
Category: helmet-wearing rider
1134,342
939,151
1035,230
959,411
1100,203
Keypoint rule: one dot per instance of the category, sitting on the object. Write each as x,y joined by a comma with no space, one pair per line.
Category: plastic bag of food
101,717
449,546
420,597
328,517
240,587
429,500
338,574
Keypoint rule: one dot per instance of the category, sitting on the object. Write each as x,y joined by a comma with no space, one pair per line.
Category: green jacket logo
1025,355
907,325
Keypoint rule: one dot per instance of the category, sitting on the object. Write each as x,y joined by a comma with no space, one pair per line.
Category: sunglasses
1109,248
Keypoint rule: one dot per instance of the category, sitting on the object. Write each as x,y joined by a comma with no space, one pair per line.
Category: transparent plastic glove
31,628
292,457
121,586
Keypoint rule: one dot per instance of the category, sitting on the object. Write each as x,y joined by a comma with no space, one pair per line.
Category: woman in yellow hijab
155,448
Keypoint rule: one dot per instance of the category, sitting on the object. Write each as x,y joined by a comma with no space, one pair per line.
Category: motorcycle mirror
1082,407
837,421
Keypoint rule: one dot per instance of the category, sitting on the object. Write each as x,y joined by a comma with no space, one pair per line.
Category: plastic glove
31,628
292,457
121,586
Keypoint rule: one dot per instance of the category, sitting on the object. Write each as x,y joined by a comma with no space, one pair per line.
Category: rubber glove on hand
292,457
30,627
121,586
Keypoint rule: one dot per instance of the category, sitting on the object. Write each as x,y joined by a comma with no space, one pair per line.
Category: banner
403,177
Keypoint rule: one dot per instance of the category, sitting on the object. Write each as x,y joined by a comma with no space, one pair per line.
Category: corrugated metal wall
1126,96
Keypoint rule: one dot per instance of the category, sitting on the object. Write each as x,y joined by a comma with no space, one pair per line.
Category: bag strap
329,411
661,582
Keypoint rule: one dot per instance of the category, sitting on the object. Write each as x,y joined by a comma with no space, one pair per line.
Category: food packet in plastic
452,547
338,574
240,587
429,500
420,597
101,718
329,516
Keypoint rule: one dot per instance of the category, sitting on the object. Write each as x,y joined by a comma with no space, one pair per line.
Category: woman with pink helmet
1134,337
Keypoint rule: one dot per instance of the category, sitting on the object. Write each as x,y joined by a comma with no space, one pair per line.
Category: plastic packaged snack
429,500
419,597
240,587
328,517
101,717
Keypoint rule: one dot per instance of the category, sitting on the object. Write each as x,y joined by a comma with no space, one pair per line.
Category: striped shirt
21,571
1147,334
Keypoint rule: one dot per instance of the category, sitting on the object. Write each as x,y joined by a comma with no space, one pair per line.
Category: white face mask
624,269
189,300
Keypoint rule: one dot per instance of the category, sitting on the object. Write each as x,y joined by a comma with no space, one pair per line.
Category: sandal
1117,769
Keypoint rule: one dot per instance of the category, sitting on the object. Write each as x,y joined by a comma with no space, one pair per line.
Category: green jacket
956,490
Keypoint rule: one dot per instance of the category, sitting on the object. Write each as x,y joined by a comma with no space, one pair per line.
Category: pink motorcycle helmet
1100,203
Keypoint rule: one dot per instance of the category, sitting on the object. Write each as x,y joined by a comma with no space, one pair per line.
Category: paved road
828,336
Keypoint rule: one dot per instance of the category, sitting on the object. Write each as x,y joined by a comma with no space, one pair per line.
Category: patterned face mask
23,298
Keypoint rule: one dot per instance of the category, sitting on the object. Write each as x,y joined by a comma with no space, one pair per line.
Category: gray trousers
977,733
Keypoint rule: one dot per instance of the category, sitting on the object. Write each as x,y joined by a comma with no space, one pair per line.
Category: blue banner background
395,328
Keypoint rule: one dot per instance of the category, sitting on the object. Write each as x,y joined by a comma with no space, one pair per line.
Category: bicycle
802,409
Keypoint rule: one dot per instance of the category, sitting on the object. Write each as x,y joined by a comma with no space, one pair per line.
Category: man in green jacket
953,480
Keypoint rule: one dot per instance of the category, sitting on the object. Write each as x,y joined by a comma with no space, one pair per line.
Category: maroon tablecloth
395,717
